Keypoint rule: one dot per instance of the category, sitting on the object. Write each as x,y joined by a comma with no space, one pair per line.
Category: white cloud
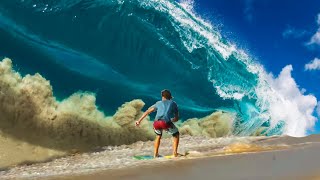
248,10
313,65
315,39
291,104
318,109
294,33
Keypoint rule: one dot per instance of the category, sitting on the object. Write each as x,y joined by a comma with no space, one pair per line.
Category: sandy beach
300,161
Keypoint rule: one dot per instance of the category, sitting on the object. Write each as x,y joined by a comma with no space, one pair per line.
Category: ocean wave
149,41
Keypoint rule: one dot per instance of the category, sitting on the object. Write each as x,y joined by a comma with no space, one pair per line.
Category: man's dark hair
166,94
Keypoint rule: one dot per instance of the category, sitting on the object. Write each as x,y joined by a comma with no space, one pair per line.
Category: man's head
166,94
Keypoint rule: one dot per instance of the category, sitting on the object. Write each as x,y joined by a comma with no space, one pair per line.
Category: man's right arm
176,114
150,110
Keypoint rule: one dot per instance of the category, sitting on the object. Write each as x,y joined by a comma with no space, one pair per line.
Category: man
167,113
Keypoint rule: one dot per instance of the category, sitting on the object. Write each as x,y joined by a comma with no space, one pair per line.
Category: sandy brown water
298,163
300,160
208,158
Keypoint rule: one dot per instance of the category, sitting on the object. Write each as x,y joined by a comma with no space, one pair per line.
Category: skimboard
148,157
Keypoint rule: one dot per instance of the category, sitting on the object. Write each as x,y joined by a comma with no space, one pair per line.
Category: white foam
279,98
284,101
187,4
184,19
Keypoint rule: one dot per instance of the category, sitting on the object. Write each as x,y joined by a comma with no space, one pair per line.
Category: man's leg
158,130
175,144
173,130
156,146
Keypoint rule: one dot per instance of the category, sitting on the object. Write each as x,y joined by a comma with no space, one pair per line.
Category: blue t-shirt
166,110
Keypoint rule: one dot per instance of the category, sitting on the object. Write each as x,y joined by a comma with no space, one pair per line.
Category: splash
39,127
240,147
218,124
31,112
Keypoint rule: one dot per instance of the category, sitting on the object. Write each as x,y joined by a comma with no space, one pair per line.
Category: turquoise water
124,50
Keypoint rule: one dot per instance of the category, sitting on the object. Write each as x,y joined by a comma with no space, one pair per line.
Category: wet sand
301,161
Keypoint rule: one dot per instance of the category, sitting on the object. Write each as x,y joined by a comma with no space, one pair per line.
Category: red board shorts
160,125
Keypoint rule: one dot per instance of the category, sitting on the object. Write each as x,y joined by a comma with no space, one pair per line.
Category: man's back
166,109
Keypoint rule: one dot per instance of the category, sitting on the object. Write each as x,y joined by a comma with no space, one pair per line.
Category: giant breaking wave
123,50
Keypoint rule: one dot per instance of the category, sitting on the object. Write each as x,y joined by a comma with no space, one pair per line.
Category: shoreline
300,162
276,157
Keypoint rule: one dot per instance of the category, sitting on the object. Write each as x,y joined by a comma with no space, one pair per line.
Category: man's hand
137,123
150,110
174,120
176,117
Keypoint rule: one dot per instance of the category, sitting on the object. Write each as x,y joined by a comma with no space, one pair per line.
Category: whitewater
81,72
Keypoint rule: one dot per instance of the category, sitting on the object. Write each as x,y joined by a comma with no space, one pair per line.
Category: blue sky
276,33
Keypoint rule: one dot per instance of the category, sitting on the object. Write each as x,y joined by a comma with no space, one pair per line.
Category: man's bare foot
177,155
156,156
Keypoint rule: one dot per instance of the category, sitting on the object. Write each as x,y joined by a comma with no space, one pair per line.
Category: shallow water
115,157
